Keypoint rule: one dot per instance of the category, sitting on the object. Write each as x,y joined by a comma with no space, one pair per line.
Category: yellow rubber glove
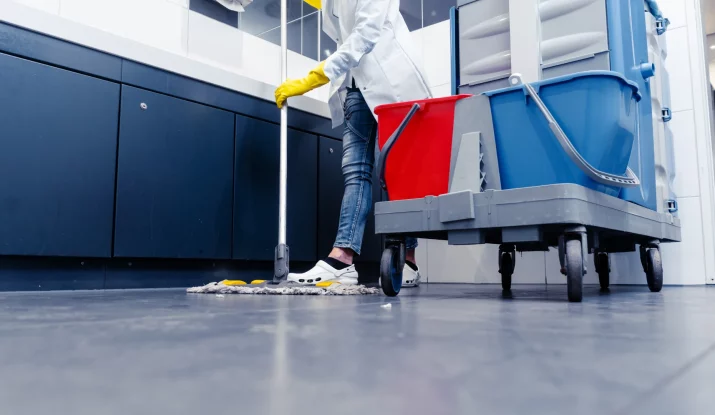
315,3
291,88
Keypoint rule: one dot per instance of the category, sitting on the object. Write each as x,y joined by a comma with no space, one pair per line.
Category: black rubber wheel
574,270
506,267
643,251
391,267
603,269
654,269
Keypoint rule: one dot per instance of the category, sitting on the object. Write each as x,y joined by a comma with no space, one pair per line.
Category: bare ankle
410,256
343,255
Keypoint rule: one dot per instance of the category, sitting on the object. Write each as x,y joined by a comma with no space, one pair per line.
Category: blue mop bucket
577,129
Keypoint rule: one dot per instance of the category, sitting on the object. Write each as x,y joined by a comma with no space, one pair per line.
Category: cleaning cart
530,166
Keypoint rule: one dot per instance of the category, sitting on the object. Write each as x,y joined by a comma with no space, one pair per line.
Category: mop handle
281,266
282,204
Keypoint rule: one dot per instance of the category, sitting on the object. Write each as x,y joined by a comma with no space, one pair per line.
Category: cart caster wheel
574,270
507,263
603,268
391,266
653,268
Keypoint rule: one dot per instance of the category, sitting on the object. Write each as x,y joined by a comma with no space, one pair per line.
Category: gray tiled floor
442,349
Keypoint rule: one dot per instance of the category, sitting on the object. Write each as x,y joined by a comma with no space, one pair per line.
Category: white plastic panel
525,33
484,41
664,158
663,79
600,61
662,181
670,156
572,29
478,88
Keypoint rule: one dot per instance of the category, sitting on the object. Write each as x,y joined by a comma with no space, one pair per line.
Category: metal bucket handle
630,180
382,158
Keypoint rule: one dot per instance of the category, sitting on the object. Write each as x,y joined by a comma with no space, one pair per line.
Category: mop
279,285
230,287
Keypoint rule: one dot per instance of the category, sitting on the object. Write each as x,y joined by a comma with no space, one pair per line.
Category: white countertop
56,26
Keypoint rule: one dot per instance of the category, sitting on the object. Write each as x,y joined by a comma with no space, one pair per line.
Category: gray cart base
575,219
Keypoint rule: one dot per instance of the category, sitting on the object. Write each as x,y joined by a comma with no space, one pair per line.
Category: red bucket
418,163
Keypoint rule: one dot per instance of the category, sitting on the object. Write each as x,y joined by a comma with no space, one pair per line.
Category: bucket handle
629,180
382,158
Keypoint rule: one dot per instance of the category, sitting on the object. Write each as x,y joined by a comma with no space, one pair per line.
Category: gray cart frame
571,217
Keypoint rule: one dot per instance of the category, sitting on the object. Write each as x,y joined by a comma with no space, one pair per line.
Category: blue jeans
359,149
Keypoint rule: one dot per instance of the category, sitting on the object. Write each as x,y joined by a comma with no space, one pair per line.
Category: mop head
335,289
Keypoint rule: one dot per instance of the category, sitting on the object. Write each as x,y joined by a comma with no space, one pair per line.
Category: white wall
693,260
690,262
169,26
435,42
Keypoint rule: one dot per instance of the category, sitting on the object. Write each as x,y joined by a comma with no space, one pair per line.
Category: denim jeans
359,149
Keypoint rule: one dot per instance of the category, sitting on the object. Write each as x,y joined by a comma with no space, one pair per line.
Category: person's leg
411,246
359,154
410,274
359,134
359,138
359,148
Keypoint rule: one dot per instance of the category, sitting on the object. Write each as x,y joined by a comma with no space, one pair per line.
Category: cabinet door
175,176
256,192
58,140
330,196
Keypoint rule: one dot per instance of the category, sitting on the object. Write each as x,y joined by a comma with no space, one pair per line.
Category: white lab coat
374,47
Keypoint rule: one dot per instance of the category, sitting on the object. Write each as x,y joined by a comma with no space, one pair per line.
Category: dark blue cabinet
174,178
111,169
58,138
330,196
255,229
